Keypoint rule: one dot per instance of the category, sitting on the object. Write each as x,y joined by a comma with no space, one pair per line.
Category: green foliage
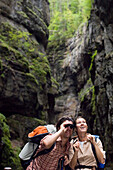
66,17
9,158
5,127
84,9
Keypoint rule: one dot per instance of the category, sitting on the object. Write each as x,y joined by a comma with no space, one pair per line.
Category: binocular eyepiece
69,125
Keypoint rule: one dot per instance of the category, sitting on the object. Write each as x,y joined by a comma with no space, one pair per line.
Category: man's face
81,125
68,128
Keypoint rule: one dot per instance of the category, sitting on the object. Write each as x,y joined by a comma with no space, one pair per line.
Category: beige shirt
86,156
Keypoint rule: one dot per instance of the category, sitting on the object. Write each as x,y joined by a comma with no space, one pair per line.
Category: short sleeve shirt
85,153
50,160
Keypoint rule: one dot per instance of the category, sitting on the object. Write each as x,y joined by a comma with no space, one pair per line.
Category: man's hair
63,119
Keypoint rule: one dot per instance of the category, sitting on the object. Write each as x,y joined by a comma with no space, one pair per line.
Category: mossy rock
9,157
20,126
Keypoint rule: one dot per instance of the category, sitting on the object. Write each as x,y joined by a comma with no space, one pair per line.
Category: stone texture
25,79
24,34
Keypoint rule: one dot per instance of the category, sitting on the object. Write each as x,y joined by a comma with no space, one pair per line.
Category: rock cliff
83,68
24,67
25,75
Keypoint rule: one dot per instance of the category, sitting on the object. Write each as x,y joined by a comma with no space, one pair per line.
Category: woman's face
81,125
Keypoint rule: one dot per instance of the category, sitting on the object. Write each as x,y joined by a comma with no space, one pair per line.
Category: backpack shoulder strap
93,148
43,152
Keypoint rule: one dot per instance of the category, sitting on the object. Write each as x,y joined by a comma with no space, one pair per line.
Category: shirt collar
67,144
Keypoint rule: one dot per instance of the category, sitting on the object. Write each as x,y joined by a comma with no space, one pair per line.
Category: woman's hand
97,149
91,138
76,146
73,162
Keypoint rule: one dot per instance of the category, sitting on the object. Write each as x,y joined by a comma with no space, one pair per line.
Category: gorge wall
25,75
84,69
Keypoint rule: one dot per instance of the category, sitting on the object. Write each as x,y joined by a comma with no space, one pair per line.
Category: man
50,161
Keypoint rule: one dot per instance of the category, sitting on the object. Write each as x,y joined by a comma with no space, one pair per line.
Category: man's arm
51,139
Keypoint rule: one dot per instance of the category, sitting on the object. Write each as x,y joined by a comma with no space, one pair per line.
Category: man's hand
66,160
62,126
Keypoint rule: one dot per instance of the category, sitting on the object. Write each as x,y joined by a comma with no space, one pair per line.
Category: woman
83,157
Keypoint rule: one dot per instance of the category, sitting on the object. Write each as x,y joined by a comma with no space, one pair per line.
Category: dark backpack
28,153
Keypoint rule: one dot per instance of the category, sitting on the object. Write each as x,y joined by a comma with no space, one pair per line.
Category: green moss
19,47
38,10
17,39
9,49
86,90
31,11
10,54
33,14
9,158
92,60
40,67
54,81
1,70
90,88
32,78
23,14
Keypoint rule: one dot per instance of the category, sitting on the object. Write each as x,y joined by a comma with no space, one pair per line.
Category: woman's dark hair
78,118
63,119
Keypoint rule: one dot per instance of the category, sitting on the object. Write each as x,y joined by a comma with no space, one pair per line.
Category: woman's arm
73,162
98,151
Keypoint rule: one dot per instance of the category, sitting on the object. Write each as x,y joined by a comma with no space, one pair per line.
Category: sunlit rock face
23,40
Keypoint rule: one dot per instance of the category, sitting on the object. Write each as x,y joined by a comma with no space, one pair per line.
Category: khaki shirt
86,156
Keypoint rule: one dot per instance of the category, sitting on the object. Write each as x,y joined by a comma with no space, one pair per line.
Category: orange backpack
37,131
28,153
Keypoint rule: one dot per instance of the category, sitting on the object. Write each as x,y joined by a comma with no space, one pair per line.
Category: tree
66,16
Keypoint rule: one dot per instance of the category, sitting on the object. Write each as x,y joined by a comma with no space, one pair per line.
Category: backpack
28,153
100,165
